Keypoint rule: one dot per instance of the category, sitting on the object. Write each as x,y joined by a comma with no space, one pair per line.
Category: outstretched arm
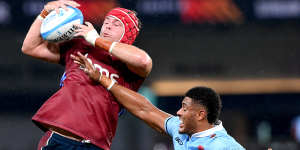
138,105
136,59
135,103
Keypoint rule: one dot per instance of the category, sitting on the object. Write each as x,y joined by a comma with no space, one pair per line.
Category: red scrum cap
129,21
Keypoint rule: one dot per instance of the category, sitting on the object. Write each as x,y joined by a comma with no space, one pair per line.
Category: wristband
91,37
112,47
44,13
111,84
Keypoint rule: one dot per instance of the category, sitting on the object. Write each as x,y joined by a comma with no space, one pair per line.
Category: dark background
262,43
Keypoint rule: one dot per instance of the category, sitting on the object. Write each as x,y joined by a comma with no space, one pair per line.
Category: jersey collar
210,131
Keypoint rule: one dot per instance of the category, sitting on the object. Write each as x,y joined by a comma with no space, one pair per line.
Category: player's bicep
141,71
156,119
47,52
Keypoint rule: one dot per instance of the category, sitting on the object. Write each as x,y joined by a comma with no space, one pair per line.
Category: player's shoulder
172,120
172,125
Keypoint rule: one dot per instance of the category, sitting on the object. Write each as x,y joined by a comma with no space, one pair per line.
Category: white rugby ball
60,27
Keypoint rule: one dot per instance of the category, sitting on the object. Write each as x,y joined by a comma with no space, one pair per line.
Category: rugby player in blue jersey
196,126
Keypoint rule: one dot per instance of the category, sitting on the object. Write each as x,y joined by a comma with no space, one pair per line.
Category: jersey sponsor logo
179,141
104,71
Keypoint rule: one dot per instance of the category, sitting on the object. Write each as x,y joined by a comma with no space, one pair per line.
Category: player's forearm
140,107
35,46
131,100
33,38
136,59
137,104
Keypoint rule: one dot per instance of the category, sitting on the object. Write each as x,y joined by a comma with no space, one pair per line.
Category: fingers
81,30
87,31
82,62
86,70
88,64
55,5
78,34
74,57
78,61
89,24
80,26
81,56
72,3
63,6
51,6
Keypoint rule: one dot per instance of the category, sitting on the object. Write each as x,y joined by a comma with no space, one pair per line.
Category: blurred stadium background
248,50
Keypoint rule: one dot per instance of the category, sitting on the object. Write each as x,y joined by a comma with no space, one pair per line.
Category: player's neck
203,126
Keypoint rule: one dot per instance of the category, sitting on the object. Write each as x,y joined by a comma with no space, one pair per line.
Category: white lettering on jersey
103,71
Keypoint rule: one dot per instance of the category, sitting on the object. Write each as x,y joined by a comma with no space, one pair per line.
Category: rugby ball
58,27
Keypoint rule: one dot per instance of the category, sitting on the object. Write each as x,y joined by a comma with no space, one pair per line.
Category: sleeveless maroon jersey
82,106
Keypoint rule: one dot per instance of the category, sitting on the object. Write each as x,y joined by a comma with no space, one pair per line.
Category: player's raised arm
126,23
135,103
138,105
34,45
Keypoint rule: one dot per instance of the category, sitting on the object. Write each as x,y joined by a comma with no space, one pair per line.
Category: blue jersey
215,138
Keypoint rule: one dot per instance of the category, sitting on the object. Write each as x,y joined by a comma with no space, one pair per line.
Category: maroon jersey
82,106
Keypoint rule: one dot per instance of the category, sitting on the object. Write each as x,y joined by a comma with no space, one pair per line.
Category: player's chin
106,38
181,129
110,38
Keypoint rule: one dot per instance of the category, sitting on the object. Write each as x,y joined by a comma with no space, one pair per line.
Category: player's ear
201,114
